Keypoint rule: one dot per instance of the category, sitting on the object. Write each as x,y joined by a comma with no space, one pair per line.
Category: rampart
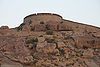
42,17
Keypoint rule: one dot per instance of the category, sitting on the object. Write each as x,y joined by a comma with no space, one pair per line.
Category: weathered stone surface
26,28
41,39
40,46
88,53
39,27
60,44
91,63
47,40
52,25
49,48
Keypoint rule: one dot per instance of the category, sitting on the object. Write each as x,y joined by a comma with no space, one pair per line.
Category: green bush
49,32
41,22
31,46
61,22
31,40
50,40
32,28
47,27
20,27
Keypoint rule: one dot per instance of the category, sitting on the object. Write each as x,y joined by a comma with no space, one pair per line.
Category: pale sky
12,12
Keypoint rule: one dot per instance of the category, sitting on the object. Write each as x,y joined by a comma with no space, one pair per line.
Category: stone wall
41,22
87,42
42,17
55,22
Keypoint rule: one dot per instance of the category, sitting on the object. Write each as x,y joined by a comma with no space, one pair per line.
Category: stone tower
41,22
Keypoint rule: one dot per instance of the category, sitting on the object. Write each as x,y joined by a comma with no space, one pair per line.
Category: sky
12,12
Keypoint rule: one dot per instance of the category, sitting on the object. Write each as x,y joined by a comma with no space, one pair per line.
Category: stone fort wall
42,17
55,22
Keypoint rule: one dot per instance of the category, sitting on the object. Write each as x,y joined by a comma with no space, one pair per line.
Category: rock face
47,40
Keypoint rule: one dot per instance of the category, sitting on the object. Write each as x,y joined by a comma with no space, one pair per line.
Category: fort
55,22
44,17
48,40
39,21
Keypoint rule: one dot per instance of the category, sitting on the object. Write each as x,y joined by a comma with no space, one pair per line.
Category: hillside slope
48,40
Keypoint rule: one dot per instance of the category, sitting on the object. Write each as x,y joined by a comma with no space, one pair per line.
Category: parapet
42,17
37,14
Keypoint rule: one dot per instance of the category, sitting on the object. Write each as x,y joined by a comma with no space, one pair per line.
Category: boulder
60,44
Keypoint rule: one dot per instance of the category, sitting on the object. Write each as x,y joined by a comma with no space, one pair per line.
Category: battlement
42,17
39,14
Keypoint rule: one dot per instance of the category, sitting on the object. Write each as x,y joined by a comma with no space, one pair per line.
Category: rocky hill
48,40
